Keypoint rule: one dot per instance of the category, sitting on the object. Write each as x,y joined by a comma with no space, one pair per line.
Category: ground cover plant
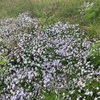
47,63
42,58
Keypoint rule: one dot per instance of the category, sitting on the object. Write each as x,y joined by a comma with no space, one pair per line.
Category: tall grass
51,11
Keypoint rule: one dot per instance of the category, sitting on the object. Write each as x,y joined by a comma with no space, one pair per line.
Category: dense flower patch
50,62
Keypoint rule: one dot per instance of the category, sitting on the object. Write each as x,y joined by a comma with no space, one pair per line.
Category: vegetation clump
50,62
42,58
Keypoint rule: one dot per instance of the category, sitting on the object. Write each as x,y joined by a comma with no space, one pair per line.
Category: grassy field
51,11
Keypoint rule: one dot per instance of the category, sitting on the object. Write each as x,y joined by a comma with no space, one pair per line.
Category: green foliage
2,60
2,86
95,49
48,96
51,96
3,72
94,54
92,13
92,19
51,20
43,28
3,68
93,86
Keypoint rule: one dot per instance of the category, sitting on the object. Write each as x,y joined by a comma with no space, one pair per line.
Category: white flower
95,98
89,93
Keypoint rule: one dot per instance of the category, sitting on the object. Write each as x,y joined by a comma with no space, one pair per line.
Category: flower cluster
12,30
53,60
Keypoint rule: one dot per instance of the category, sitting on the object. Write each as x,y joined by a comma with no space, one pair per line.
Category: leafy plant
51,96
3,68
2,60
3,72
94,54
